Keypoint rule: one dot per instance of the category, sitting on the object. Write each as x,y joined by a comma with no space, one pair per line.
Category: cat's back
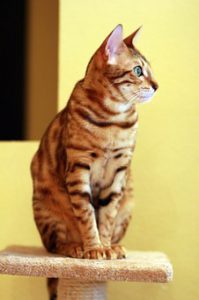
49,160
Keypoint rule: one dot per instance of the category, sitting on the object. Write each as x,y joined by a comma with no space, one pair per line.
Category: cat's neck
96,85
104,93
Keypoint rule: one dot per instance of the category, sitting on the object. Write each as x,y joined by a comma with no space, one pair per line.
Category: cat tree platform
82,279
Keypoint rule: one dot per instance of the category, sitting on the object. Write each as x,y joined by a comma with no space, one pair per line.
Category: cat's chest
101,171
123,134
104,169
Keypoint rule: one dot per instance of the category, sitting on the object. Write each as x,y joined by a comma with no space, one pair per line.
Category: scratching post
82,279
79,290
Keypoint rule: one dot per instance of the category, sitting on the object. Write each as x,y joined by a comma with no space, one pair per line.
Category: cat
82,193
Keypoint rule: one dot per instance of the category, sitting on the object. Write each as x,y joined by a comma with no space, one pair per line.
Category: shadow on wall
29,67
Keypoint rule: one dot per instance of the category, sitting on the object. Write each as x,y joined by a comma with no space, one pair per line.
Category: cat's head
125,67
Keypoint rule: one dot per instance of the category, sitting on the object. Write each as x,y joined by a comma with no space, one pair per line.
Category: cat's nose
154,85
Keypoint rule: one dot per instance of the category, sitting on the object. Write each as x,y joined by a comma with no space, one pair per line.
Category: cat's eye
138,71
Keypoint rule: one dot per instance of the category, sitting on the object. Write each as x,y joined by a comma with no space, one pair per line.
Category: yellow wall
16,219
165,167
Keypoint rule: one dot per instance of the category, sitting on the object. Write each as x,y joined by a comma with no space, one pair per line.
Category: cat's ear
113,45
132,38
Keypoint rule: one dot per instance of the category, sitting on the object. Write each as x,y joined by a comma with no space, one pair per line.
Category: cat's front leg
107,218
78,187
109,202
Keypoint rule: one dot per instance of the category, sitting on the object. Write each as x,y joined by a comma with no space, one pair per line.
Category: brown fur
82,196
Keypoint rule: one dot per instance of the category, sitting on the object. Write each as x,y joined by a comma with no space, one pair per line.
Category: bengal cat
82,197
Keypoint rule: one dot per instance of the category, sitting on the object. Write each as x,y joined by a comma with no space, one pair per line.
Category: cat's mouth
146,95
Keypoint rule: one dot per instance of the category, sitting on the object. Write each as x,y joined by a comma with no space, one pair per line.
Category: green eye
138,71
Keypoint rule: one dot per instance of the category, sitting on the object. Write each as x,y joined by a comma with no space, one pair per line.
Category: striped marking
121,169
52,246
118,155
107,200
124,125
73,183
121,75
79,193
79,165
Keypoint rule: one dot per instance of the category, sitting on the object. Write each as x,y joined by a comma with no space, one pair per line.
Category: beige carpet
138,266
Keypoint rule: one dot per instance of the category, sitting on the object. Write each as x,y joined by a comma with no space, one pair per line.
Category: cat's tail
52,284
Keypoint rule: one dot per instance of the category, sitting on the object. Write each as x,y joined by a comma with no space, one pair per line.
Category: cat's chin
146,98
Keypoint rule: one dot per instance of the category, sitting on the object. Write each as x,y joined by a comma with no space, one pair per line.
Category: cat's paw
119,251
96,252
75,250
110,253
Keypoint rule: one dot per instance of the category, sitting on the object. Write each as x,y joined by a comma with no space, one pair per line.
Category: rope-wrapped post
80,290
83,279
